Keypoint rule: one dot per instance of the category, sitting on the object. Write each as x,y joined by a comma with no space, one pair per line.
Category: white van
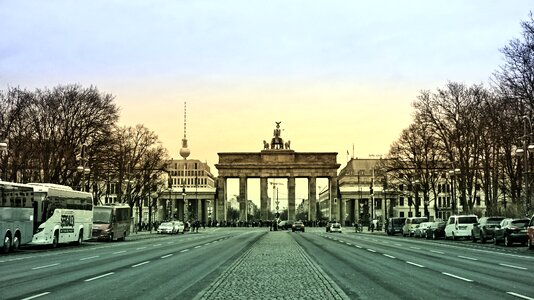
460,226
411,225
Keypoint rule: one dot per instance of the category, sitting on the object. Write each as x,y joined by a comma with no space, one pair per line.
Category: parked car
512,231
297,226
420,230
460,226
285,225
485,229
436,230
530,234
166,227
335,227
394,225
179,227
411,224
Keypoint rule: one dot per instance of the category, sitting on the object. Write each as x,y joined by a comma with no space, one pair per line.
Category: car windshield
418,221
467,220
397,221
494,221
519,223
166,224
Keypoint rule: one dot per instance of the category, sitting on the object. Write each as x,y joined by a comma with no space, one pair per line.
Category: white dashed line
185,250
47,266
349,244
457,277
140,248
414,264
438,252
165,256
467,257
90,257
371,250
119,252
36,296
357,246
140,264
156,245
512,266
390,256
98,277
416,248
196,247
519,295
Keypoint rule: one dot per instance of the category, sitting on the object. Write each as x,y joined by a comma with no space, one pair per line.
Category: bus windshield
101,215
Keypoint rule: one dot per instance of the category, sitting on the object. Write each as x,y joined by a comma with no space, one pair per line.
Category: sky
338,75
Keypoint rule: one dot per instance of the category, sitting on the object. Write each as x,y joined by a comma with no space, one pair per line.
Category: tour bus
111,222
16,215
60,214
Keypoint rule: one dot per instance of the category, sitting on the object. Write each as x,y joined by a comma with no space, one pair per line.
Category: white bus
16,215
61,214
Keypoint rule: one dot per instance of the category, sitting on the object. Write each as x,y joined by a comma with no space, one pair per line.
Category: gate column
220,206
312,198
264,202
291,198
243,199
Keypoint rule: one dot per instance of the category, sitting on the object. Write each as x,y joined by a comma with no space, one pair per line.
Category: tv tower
184,151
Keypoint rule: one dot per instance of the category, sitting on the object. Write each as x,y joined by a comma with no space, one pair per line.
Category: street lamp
416,192
83,169
527,132
453,174
3,149
154,197
186,204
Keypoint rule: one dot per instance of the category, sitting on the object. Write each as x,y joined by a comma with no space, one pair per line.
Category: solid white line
438,252
90,257
520,296
98,277
47,266
457,277
414,264
165,256
140,264
390,256
36,296
185,250
466,257
371,250
118,252
512,266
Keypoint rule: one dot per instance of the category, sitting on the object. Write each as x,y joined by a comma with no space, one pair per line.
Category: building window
401,214
401,201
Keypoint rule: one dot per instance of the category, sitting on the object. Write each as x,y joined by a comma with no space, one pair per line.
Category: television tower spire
184,151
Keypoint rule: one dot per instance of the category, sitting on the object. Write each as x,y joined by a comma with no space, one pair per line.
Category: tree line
53,134
472,133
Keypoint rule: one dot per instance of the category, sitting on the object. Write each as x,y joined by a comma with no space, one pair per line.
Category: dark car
394,225
285,225
436,230
512,231
297,226
485,229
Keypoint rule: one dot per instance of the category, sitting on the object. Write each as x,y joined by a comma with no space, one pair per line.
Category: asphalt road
358,266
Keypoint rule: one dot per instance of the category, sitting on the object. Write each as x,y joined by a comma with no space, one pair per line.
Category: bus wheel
80,237
7,243
16,242
55,240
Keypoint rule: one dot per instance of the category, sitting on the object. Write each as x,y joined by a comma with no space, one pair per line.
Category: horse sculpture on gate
277,142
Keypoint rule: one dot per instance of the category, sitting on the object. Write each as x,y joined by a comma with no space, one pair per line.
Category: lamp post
527,132
417,201
83,169
186,204
453,174
3,149
154,197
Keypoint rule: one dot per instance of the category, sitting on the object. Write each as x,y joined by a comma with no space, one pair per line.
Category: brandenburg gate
276,160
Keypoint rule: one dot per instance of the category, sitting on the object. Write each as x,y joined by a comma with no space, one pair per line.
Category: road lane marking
414,264
156,245
98,277
36,296
349,244
165,256
457,277
398,245
119,252
140,264
47,266
90,257
519,295
467,257
390,256
416,248
438,252
512,266
207,243
371,250
185,250
196,247
357,246
140,248
170,243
